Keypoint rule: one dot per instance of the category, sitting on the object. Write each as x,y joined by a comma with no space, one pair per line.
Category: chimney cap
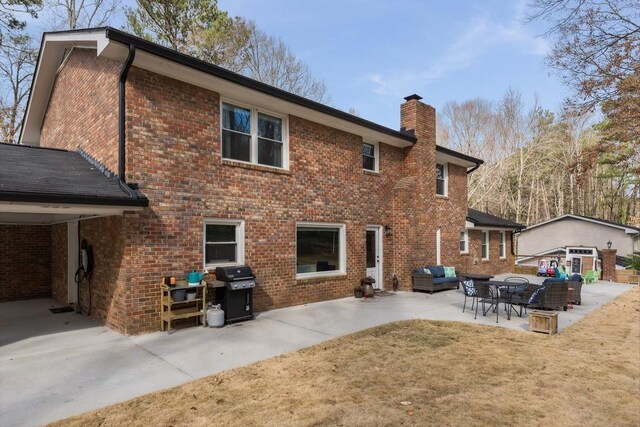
412,97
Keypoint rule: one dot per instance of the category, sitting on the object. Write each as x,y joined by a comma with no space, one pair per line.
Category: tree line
195,27
584,160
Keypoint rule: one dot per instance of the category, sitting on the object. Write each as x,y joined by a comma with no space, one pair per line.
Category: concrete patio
57,365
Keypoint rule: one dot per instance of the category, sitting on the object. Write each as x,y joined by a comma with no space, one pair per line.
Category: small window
370,156
320,249
441,179
485,245
223,242
253,136
503,244
464,242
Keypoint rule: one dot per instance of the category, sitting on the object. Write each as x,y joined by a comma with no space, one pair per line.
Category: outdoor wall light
609,244
387,230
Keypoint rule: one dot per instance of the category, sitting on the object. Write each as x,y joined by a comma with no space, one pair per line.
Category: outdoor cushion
438,280
536,295
575,278
469,288
449,272
437,270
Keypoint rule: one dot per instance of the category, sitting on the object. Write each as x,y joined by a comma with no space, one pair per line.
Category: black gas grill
236,296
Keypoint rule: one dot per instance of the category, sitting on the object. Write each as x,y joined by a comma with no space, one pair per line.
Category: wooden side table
543,321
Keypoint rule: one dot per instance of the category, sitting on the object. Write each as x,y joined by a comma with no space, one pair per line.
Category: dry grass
451,373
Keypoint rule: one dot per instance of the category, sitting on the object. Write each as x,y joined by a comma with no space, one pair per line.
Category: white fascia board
469,225
446,158
62,208
52,51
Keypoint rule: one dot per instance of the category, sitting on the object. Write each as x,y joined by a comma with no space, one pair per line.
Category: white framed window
442,179
320,249
370,156
503,244
223,242
254,135
485,244
464,242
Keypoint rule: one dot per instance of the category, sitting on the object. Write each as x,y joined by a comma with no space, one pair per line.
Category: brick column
609,264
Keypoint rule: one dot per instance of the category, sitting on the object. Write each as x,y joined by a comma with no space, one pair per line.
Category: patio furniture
435,280
575,282
469,292
554,295
543,321
486,293
521,298
590,276
477,277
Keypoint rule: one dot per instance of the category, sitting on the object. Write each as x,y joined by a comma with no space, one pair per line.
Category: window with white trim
320,249
485,244
464,242
223,242
254,136
503,244
370,156
442,172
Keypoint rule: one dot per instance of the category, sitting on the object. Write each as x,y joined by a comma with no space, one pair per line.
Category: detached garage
50,201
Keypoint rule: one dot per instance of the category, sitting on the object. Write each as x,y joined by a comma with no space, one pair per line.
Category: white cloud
482,35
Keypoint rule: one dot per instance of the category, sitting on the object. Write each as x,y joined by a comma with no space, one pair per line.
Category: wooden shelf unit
171,310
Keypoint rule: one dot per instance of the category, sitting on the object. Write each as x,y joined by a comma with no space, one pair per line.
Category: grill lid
233,273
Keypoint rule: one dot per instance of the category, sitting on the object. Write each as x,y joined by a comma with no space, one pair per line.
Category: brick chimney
414,211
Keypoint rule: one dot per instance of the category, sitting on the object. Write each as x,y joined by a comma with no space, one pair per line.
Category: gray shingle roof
34,174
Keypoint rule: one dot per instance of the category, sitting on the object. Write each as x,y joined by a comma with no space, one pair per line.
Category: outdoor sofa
433,280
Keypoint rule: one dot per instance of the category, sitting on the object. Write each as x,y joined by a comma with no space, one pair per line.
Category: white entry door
374,255
72,261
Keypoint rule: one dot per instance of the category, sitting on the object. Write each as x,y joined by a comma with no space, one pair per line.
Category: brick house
226,170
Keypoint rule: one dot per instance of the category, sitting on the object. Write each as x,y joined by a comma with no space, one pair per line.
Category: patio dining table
501,292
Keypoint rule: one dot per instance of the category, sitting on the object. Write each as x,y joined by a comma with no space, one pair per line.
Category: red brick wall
108,287
83,108
494,265
173,152
175,159
25,262
59,284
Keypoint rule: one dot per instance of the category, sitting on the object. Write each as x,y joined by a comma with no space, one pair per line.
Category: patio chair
485,293
469,289
575,282
590,276
522,299
554,296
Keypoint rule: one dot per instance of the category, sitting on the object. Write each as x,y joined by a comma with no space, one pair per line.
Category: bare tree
74,14
17,61
596,43
12,13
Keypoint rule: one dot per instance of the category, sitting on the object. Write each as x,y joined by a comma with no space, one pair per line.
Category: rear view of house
215,169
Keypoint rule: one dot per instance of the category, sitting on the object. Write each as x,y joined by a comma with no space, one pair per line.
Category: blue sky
371,54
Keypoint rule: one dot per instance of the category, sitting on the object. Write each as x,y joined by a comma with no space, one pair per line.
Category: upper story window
370,156
223,242
254,136
485,244
442,172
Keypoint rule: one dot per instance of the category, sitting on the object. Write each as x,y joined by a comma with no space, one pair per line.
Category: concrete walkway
56,365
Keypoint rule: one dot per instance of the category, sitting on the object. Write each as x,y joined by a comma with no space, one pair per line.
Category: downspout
474,168
122,112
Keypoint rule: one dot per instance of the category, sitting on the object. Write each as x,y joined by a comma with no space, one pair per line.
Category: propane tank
215,316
